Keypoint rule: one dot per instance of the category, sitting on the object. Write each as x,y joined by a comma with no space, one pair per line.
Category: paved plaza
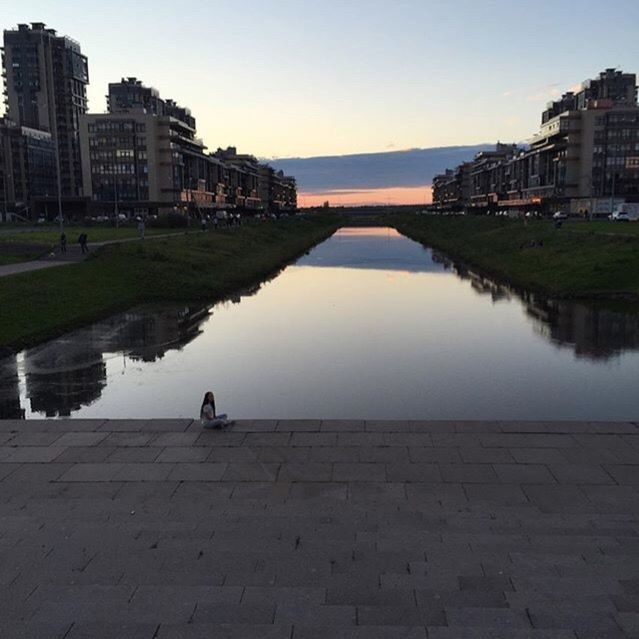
157,529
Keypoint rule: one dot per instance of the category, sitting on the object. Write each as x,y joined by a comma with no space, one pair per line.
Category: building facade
583,159
278,192
144,157
46,77
27,170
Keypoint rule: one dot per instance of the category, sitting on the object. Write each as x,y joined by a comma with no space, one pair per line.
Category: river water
367,325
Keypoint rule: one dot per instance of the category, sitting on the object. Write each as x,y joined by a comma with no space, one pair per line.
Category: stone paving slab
310,528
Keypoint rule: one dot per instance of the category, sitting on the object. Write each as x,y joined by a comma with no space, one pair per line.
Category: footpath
73,255
319,529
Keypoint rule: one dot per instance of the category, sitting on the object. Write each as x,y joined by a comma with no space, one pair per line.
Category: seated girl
208,416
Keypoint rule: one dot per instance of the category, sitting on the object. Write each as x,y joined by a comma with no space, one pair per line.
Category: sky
301,78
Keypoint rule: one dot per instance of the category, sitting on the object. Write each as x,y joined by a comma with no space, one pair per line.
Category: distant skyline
295,78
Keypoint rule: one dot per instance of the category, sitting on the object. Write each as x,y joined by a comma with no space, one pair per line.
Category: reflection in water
65,374
368,324
592,331
10,407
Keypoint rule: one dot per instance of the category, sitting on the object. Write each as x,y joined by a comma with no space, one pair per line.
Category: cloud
540,93
544,94
405,168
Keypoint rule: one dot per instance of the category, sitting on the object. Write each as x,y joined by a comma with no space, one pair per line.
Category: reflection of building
63,377
66,374
147,336
594,332
9,389
480,283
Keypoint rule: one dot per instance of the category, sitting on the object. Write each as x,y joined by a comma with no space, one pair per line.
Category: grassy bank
15,258
587,260
51,236
190,268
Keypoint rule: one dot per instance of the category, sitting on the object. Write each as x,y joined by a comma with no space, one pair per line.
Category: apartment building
278,192
46,77
584,158
243,178
143,157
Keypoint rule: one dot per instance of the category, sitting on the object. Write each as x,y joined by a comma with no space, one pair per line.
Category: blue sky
299,78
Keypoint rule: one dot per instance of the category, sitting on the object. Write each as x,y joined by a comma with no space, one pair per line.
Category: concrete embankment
446,530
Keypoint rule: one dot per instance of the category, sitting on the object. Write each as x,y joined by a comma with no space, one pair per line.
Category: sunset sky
300,78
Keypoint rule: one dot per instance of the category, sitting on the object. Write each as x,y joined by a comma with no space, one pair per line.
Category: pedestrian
203,223
208,416
141,228
63,243
83,241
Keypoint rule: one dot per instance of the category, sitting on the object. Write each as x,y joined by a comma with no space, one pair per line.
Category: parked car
559,215
627,212
620,216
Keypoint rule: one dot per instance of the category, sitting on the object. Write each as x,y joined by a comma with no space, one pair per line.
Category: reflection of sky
342,341
372,248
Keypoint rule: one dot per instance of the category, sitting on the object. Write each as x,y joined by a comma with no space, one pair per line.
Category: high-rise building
46,77
130,93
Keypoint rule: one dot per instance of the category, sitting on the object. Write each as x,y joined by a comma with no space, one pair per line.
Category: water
368,325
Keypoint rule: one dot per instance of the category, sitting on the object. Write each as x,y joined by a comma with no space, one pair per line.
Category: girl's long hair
205,401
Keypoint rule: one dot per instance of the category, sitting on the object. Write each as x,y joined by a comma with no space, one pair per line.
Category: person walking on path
208,416
63,243
141,228
83,242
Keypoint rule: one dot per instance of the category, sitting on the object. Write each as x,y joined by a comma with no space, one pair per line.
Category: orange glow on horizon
367,231
360,197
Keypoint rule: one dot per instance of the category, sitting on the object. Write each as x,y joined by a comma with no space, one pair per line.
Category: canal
368,324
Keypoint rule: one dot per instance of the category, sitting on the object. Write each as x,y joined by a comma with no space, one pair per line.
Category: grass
188,268
585,260
49,236
15,258
604,227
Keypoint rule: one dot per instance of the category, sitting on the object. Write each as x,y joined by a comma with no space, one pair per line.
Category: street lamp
57,155
115,192
612,191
